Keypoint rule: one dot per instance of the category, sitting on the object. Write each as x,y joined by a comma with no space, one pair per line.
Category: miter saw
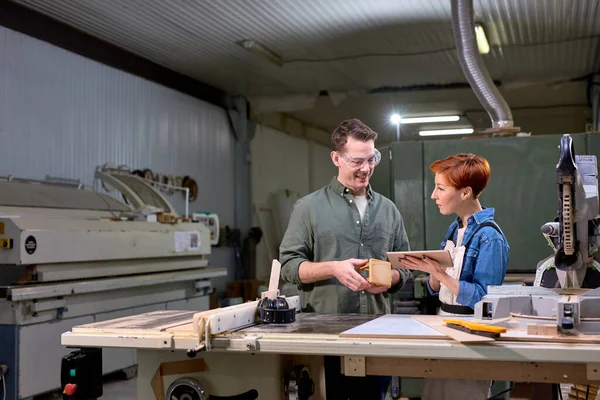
565,290
575,234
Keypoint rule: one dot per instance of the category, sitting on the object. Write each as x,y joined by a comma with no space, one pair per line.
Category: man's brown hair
354,128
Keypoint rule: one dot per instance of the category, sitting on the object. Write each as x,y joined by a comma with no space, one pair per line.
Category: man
339,227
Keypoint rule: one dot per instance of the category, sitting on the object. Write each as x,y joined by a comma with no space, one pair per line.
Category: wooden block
550,329
542,329
380,272
532,329
166,218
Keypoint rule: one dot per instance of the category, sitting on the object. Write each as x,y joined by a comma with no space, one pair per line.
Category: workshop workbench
261,356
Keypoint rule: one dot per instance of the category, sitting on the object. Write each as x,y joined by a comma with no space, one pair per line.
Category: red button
70,389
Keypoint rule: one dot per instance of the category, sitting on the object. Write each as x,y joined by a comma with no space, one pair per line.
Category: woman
479,252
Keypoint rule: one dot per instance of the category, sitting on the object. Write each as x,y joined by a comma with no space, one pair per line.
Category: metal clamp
251,342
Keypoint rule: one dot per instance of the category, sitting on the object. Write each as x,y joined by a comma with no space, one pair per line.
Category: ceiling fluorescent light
482,43
424,120
261,51
462,131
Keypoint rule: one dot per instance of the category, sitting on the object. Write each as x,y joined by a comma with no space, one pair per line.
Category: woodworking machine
565,291
71,256
229,353
235,353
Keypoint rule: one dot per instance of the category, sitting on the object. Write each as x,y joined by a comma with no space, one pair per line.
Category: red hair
464,170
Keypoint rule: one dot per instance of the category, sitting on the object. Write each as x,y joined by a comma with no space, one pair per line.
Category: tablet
441,256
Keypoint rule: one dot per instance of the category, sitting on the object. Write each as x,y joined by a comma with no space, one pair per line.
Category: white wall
322,167
62,115
281,161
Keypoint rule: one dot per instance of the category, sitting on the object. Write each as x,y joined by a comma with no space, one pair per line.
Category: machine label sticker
187,241
30,245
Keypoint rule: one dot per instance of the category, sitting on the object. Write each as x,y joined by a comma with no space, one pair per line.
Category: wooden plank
152,321
273,290
275,272
479,369
393,326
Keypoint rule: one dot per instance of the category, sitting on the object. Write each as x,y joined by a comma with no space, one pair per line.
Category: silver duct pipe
473,67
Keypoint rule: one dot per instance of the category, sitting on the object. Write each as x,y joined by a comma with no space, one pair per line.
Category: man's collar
340,189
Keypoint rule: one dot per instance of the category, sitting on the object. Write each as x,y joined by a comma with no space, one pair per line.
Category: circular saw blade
567,215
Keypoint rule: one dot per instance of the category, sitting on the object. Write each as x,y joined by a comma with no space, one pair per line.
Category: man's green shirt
326,226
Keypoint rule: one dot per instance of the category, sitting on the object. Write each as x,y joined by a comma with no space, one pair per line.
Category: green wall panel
593,140
381,181
407,176
522,189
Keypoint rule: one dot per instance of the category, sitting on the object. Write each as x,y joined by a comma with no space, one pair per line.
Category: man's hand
345,272
376,289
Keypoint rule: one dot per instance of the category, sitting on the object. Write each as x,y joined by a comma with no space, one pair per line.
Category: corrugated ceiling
341,46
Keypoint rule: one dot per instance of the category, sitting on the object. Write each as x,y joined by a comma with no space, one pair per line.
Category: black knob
267,303
281,304
191,353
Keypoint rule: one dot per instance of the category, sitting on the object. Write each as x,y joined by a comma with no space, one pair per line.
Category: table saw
233,352
264,357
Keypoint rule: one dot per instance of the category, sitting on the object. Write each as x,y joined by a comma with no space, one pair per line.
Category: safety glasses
353,161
